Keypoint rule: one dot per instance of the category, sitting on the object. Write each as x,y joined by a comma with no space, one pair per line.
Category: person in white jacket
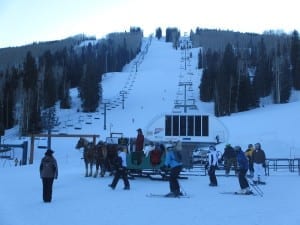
212,165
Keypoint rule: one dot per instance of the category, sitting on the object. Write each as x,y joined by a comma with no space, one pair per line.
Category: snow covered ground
151,91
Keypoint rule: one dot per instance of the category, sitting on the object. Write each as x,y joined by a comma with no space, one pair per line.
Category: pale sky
26,21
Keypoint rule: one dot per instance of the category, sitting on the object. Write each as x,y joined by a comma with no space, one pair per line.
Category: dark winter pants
242,179
47,189
251,168
212,175
173,180
121,172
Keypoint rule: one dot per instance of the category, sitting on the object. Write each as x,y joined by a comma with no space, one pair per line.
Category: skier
249,153
259,164
229,157
212,165
243,168
172,162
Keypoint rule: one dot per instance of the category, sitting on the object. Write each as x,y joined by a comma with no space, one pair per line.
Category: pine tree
9,98
209,75
158,33
245,96
89,84
50,93
225,84
64,92
282,77
30,118
30,75
295,59
2,128
200,59
263,76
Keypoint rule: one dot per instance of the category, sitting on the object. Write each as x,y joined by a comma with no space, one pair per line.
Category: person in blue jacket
173,162
243,166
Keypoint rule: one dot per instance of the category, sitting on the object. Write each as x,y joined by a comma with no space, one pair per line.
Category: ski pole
257,189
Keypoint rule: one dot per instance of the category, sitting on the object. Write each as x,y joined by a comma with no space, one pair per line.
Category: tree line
240,72
249,72
31,89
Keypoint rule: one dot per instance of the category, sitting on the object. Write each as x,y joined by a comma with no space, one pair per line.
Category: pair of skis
256,191
237,193
152,195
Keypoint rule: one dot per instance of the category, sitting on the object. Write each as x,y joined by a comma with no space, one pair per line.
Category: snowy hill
151,85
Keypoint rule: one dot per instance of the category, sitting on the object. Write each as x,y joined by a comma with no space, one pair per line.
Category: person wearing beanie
259,164
243,165
48,172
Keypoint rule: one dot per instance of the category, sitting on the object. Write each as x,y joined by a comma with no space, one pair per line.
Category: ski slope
78,200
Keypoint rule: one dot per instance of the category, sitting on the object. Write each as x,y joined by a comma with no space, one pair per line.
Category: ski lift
6,153
69,123
78,126
89,121
97,116
41,146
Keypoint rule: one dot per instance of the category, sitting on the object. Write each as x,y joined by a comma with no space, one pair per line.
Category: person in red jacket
139,146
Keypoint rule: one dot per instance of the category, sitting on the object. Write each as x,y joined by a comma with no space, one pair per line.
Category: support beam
32,137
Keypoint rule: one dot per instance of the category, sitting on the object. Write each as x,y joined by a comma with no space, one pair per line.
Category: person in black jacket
121,169
48,172
229,157
259,164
